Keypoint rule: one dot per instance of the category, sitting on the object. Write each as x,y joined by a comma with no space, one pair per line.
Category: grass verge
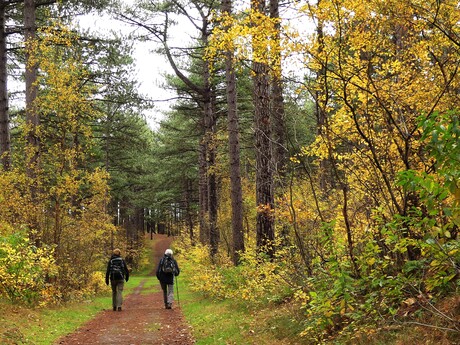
21,325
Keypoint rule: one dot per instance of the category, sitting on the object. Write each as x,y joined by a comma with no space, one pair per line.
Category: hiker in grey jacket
117,271
166,271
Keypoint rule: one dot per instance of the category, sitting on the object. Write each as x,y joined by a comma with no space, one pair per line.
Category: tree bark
189,214
234,151
209,114
264,177
203,193
5,137
32,118
278,121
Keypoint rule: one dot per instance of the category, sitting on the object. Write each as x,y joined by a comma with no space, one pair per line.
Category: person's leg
164,287
120,285
170,295
113,284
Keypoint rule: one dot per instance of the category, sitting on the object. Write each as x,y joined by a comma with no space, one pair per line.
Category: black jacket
107,273
167,278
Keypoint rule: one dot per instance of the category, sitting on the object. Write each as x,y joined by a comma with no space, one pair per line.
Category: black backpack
117,269
168,266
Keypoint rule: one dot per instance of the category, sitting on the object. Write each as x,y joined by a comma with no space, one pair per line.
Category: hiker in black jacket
117,272
166,271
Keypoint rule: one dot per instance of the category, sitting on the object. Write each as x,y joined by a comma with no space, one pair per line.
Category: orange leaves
266,209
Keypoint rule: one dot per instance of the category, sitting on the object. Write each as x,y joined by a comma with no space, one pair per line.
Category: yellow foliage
382,67
253,36
67,208
256,280
25,270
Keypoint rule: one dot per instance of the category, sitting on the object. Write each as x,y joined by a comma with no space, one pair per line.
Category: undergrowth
267,296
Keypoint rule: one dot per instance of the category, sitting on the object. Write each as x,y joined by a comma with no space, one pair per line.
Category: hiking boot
114,308
169,306
119,308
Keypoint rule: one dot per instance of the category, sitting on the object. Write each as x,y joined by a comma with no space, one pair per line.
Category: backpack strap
117,258
122,266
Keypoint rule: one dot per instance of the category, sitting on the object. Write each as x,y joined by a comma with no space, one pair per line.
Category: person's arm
158,269
126,270
107,273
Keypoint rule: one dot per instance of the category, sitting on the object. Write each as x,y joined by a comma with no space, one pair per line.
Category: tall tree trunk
210,116
234,150
189,215
5,141
203,193
208,182
278,121
264,178
32,117
209,110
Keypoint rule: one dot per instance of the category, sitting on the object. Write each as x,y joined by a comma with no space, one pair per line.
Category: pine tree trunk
189,215
278,120
5,141
203,194
214,237
234,151
32,119
208,182
264,178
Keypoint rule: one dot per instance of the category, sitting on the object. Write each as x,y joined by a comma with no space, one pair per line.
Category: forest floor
143,320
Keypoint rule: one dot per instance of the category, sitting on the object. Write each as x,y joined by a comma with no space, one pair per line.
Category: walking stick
177,291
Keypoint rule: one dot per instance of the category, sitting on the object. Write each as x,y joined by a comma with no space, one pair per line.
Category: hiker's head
116,252
168,252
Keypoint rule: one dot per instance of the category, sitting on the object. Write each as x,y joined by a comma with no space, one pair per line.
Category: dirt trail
143,320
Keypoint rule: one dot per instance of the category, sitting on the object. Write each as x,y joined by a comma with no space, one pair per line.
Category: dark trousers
168,293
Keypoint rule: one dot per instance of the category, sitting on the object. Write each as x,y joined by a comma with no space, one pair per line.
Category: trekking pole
177,291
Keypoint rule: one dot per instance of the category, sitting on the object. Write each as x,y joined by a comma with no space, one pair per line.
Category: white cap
169,252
